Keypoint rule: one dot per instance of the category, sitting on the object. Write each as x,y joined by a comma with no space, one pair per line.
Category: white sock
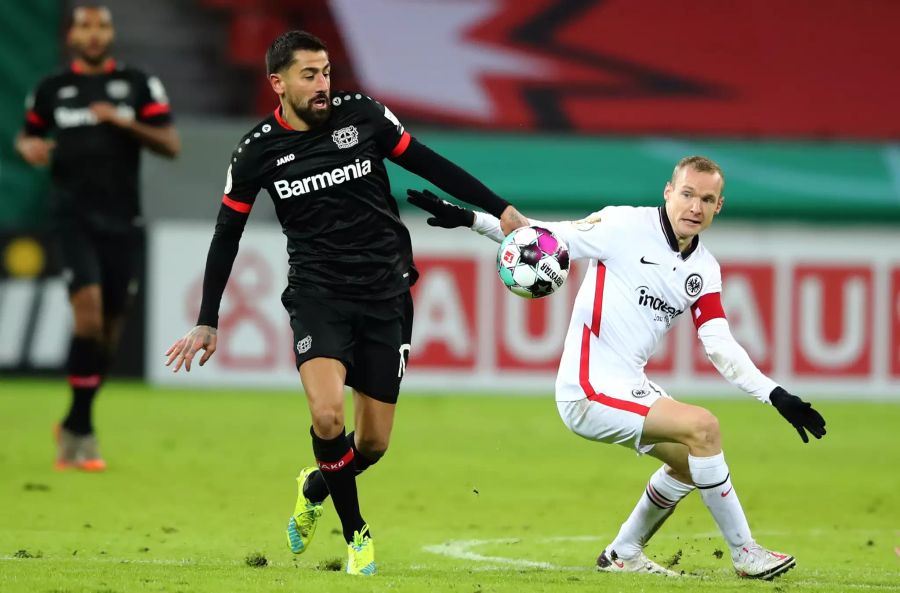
656,504
712,478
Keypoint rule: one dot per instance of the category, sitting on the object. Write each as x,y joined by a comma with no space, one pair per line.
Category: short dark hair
281,53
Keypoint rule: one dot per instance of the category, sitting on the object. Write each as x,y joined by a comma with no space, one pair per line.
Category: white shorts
615,416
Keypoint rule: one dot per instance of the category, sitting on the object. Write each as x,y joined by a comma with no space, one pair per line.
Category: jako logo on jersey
345,137
285,159
655,303
298,187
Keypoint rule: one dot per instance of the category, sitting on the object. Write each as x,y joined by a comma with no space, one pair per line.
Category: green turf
199,481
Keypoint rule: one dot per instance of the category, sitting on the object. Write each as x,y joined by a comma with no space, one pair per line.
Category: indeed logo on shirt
298,187
645,299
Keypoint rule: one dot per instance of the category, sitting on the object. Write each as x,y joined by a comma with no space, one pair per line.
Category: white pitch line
461,549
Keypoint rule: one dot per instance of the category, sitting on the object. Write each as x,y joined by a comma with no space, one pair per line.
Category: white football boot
609,561
755,562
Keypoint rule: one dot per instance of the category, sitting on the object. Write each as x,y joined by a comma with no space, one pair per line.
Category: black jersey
332,196
95,166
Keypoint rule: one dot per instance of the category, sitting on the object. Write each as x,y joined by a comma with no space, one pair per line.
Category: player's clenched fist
202,337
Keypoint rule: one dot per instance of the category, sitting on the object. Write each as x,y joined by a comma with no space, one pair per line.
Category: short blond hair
700,164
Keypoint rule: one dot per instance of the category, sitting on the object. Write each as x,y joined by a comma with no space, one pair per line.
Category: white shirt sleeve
487,225
732,361
586,239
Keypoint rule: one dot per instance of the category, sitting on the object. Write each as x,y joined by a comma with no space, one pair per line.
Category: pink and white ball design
533,262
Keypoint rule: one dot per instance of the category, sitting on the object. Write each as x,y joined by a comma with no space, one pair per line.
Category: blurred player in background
647,267
89,124
321,159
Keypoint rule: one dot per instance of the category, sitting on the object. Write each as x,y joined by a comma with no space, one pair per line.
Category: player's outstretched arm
202,337
799,413
443,213
450,216
453,179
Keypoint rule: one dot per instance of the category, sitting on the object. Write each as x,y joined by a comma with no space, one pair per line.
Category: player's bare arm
511,219
162,140
34,150
182,352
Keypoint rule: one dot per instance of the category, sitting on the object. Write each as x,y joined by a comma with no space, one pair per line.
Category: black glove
799,413
445,214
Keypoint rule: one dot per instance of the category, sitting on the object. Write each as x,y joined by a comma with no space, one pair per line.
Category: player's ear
667,191
720,203
277,83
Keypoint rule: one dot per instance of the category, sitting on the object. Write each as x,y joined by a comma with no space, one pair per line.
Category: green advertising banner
834,181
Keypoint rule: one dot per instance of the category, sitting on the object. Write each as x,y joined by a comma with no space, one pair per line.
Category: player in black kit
320,157
89,123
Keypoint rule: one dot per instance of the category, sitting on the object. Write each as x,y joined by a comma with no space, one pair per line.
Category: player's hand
35,151
444,214
107,113
202,337
799,413
511,219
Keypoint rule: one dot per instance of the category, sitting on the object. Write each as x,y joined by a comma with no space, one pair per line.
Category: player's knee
705,430
372,447
89,326
328,421
88,318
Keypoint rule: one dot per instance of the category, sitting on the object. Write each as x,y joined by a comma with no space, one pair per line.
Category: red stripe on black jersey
34,119
281,121
151,109
108,66
707,307
242,207
402,144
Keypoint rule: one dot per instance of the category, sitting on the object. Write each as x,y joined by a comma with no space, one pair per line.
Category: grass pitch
477,494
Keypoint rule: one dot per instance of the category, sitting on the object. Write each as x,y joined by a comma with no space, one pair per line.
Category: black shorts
111,260
371,338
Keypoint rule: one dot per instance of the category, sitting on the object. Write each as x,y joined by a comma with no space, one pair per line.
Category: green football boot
361,554
302,524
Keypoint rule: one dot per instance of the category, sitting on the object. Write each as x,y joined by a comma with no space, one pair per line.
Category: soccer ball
533,262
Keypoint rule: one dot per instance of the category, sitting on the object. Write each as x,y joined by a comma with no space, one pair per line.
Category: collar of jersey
672,239
281,121
108,66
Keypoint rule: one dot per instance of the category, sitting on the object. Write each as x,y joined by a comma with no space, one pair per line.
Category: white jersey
637,285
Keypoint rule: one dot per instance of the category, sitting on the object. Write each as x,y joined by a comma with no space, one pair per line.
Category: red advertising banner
832,320
792,68
446,314
817,313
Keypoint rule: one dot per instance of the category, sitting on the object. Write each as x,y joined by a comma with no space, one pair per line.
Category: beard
311,116
94,59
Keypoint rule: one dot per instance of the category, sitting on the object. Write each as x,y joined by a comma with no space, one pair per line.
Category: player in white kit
647,267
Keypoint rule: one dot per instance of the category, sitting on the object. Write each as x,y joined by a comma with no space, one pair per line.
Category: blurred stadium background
562,107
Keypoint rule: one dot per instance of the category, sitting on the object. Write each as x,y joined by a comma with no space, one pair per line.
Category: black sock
335,459
86,367
315,488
